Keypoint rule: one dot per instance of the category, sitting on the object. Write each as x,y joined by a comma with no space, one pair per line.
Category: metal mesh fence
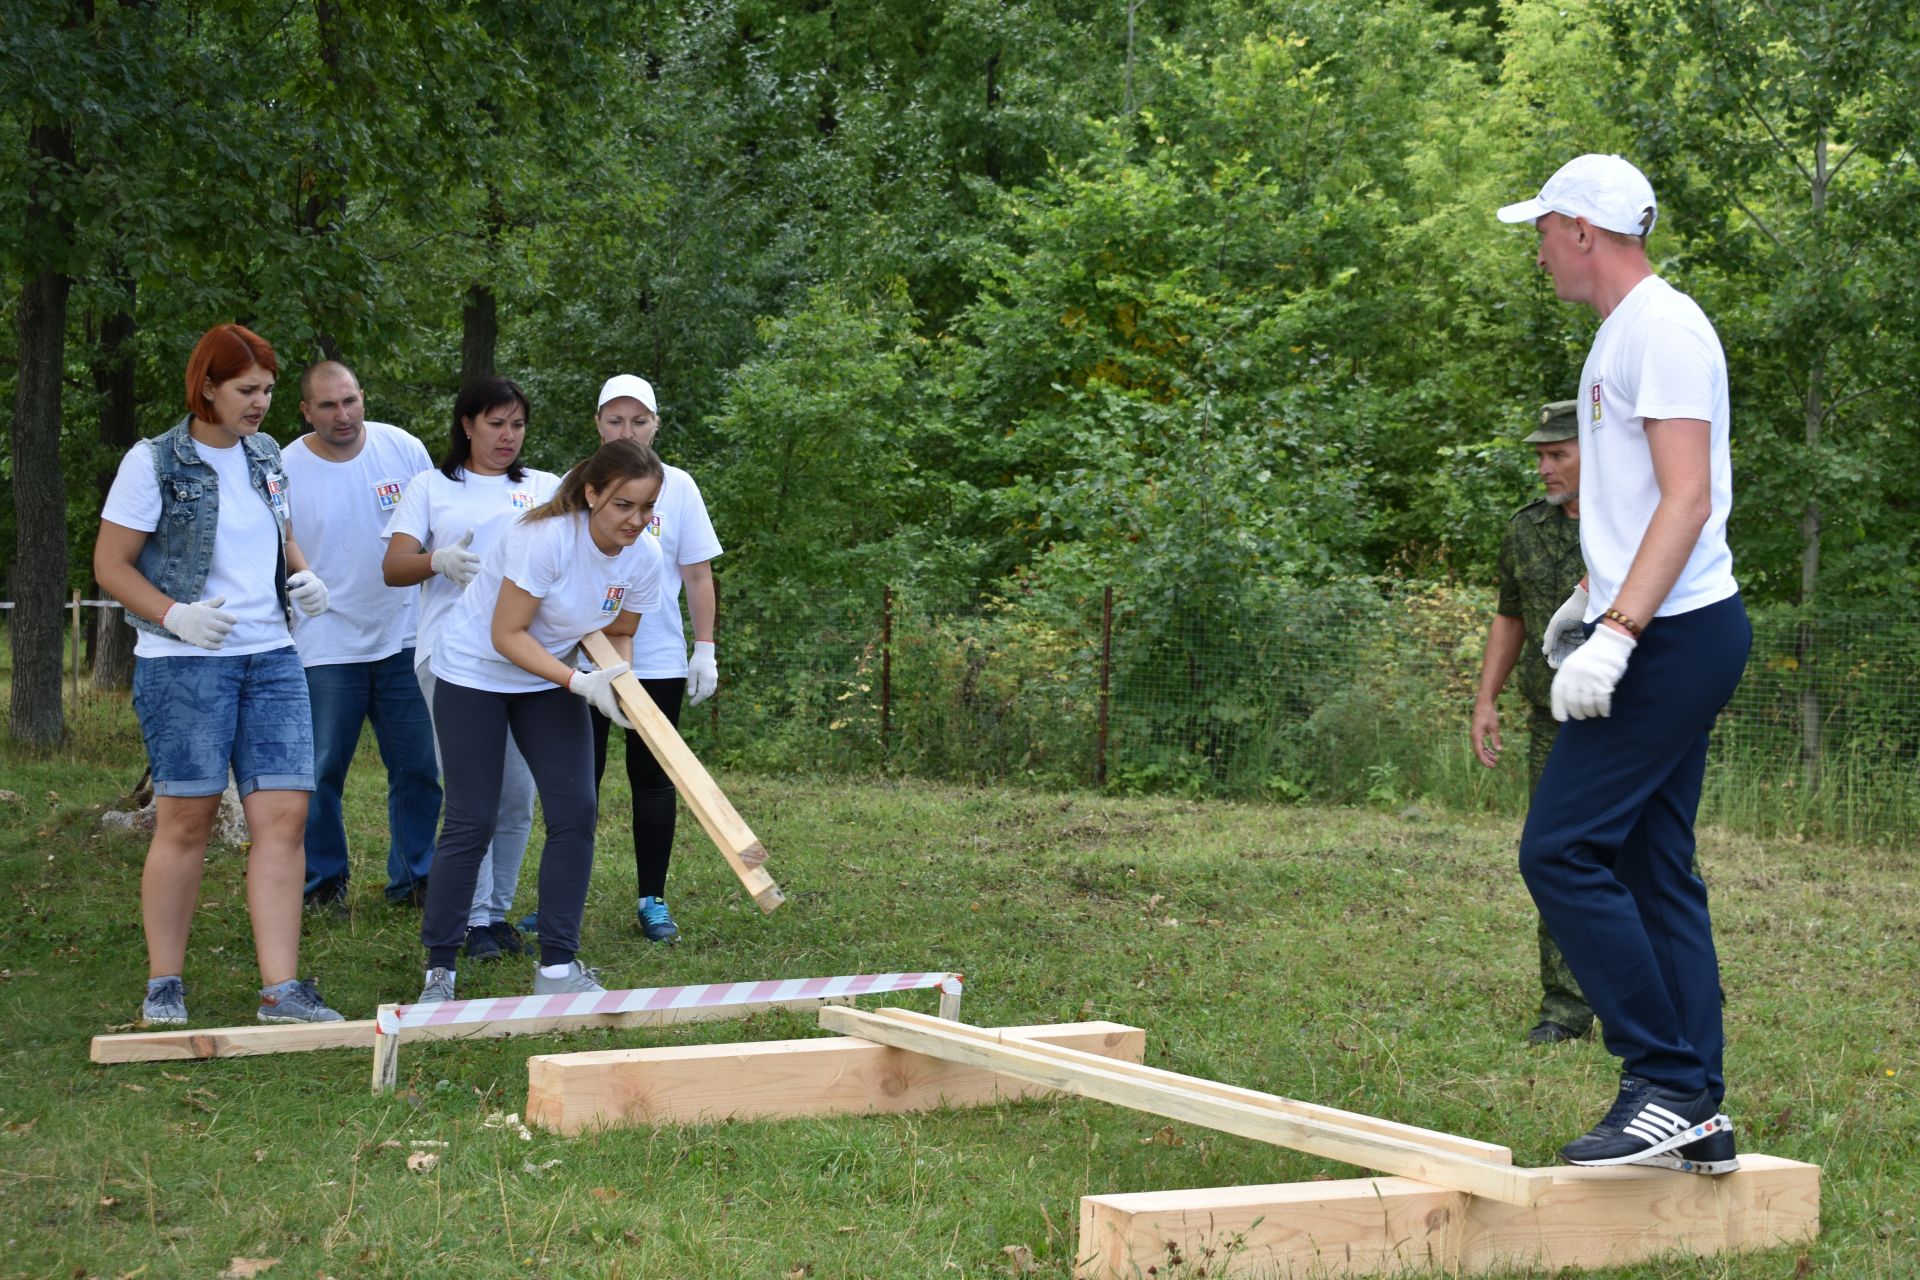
1355,691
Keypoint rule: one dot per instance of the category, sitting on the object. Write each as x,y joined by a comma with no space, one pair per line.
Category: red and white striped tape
709,995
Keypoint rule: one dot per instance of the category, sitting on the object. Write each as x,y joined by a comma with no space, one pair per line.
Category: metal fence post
886,671
76,649
1106,674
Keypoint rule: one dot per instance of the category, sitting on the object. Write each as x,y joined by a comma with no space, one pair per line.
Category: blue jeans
202,717
345,696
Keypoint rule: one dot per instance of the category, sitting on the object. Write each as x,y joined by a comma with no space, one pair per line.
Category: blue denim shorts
203,716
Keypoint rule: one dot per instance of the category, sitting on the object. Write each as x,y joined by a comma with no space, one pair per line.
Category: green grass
1348,956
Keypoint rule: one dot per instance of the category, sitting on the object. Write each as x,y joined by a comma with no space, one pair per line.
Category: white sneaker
578,979
439,987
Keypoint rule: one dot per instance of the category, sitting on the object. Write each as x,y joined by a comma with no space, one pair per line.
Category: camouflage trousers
1560,998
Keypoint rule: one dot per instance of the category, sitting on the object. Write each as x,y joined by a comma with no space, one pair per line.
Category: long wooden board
1369,1150
1488,1151
1399,1227
573,1093
737,843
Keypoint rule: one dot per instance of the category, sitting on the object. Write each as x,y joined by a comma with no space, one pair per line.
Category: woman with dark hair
196,544
447,521
575,564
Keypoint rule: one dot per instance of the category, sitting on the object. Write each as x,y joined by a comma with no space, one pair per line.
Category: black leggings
550,728
655,803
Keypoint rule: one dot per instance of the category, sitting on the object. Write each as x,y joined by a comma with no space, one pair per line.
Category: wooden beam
573,1093
1396,1226
737,843
1287,1106
1180,1102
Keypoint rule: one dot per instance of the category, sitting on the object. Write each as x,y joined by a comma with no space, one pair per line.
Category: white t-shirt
580,588
340,510
1655,356
246,550
686,536
436,512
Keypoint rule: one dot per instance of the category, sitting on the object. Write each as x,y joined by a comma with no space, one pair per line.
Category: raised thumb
214,603
466,539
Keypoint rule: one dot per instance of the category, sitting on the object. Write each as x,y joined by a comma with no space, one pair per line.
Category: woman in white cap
687,545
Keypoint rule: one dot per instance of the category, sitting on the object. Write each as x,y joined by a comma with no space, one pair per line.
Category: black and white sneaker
1646,1120
1712,1155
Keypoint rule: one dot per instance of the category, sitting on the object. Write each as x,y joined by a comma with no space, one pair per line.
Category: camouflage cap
1558,421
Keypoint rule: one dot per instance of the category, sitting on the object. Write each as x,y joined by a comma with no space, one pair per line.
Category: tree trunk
479,333
113,377
39,490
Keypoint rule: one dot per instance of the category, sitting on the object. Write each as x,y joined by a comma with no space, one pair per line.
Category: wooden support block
1396,1226
1314,1136
737,843
572,1093
1287,1106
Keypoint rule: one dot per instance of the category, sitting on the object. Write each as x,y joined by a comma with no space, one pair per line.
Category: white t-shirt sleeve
644,596
1674,373
535,555
414,515
133,501
698,542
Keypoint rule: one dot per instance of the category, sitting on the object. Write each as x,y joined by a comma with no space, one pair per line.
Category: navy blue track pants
1608,849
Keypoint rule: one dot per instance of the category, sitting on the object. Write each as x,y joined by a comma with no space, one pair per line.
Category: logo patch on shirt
387,494
521,499
1593,400
277,492
616,595
653,526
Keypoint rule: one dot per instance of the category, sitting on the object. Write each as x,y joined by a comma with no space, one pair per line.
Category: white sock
556,970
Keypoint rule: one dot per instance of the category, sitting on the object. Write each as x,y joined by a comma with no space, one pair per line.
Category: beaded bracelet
1633,628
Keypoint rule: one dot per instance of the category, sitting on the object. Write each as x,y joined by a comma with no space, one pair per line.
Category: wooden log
778,1079
1318,1137
737,843
1288,1106
1397,1227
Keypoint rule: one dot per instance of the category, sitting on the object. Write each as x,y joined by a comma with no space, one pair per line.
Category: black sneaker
1551,1032
481,944
1646,1120
328,898
412,895
1713,1155
511,943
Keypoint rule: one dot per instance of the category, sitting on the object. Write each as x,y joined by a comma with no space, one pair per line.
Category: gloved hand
1584,686
308,592
703,673
200,622
597,688
1566,629
455,563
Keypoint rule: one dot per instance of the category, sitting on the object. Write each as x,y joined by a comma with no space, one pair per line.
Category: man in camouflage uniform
1539,564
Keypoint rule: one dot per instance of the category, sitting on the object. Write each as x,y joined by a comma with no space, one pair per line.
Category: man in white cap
1607,851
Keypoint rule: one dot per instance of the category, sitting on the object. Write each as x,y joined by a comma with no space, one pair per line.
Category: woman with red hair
197,545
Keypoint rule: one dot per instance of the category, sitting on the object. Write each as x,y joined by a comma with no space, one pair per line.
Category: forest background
1001,300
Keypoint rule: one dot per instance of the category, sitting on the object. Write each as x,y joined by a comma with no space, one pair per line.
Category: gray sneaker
166,1003
577,979
439,987
294,1000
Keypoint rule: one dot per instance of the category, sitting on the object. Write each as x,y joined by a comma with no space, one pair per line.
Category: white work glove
200,622
455,563
1584,686
703,673
1566,630
308,592
597,688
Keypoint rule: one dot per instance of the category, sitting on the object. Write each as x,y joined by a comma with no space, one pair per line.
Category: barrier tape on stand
710,995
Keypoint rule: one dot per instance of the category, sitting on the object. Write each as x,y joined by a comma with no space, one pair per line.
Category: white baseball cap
1605,190
626,384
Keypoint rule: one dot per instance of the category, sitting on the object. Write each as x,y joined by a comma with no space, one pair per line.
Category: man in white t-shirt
1663,638
347,476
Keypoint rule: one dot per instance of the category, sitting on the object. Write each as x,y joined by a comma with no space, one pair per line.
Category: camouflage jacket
1539,565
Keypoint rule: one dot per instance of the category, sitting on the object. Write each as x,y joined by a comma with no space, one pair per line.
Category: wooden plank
1316,1137
1273,1102
777,1079
238,1042
737,843
1396,1226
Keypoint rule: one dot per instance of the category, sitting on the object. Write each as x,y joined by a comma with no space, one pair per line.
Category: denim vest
178,554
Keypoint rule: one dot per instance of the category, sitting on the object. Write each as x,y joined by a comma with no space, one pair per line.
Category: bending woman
196,544
575,564
448,519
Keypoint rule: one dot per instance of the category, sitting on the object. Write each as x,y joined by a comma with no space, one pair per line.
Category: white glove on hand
1566,629
1584,686
455,563
201,622
597,688
703,673
308,592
